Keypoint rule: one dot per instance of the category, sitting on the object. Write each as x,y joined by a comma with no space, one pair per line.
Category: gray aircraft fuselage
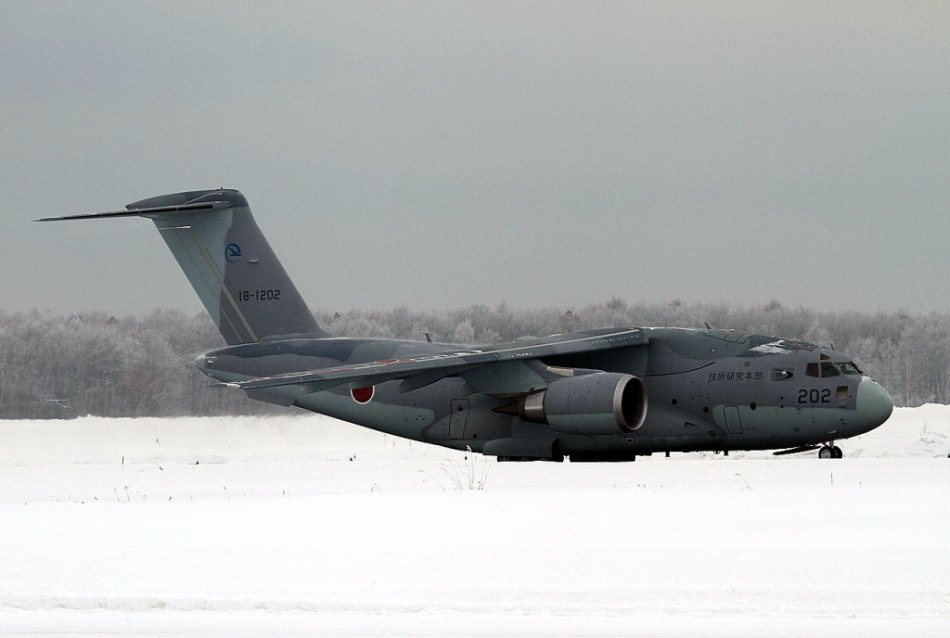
708,390
596,395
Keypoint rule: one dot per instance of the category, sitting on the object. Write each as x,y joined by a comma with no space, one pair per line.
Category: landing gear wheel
828,451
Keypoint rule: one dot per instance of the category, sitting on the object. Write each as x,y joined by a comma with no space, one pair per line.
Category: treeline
63,366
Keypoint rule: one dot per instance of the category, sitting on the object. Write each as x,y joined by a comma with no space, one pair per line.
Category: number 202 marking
814,396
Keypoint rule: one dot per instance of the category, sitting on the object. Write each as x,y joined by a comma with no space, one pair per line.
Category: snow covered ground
307,526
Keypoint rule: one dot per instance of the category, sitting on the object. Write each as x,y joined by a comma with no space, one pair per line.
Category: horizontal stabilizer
141,212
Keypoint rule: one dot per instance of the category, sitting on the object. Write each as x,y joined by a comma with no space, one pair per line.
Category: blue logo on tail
232,252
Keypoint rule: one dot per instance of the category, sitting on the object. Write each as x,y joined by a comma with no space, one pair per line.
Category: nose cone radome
874,404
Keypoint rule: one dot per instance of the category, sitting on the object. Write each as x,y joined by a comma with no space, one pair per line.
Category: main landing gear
830,451
827,451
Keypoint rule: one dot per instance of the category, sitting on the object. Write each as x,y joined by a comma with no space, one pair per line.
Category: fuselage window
812,370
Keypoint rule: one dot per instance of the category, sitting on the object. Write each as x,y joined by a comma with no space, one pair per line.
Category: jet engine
598,403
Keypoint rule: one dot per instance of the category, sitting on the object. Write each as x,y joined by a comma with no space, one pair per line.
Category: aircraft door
459,408
733,424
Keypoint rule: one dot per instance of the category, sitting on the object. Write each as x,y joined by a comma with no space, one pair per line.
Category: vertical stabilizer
229,263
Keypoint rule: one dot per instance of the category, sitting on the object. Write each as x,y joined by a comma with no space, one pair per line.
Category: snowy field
307,526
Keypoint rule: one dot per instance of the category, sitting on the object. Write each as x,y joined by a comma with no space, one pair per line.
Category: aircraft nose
874,404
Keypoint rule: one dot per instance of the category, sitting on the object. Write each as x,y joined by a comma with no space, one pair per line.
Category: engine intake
599,403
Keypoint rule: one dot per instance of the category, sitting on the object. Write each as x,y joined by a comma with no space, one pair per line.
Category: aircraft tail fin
228,261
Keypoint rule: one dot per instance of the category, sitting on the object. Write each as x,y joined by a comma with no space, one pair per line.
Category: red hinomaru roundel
363,395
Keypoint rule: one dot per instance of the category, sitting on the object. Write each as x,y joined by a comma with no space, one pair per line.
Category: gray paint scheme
598,395
226,257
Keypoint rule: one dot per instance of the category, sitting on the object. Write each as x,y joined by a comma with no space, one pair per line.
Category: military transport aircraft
596,395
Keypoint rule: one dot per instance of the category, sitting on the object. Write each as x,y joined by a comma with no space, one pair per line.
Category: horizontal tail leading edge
228,261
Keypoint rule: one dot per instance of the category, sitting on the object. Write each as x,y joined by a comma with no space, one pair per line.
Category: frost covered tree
67,365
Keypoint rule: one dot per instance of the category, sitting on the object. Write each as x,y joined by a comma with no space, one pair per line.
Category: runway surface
303,525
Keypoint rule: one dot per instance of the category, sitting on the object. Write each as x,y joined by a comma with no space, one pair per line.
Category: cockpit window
849,368
828,369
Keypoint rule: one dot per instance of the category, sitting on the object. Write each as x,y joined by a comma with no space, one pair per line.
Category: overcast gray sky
441,154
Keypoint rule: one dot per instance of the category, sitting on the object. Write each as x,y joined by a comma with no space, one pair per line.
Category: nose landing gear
830,451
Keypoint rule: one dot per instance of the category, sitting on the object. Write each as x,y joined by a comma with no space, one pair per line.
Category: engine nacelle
599,403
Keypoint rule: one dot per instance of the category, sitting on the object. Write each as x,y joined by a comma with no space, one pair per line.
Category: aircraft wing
423,370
